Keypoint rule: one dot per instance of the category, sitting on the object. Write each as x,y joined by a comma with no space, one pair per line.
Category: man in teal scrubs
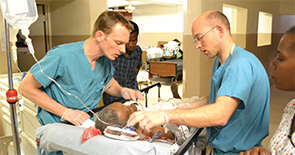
70,79
236,111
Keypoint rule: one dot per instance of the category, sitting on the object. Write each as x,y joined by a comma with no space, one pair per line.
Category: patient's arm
163,135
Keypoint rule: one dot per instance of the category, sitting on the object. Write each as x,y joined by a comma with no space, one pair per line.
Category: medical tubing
33,54
13,31
183,132
165,117
14,55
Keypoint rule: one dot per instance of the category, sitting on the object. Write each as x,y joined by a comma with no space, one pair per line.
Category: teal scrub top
242,76
69,67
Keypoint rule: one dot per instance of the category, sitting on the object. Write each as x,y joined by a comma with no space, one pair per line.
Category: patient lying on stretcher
69,135
118,114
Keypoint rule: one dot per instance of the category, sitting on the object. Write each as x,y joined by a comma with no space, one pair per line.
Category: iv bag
19,13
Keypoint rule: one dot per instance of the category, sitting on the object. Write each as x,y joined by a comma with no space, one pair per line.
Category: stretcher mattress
67,138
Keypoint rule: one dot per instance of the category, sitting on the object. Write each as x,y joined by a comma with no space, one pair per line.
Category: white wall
163,20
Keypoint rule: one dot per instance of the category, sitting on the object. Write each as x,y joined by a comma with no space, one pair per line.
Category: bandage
88,123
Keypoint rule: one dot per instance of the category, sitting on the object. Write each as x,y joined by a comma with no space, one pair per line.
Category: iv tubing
13,31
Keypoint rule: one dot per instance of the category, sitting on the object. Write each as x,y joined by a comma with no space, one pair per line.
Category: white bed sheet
67,138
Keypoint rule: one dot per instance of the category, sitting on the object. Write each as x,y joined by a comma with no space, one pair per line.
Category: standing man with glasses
236,110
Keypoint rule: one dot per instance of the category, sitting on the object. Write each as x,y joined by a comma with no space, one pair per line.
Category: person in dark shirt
127,66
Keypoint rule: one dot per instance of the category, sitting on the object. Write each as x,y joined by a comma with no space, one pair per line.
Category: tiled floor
278,101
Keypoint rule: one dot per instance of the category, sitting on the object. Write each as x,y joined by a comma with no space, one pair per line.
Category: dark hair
176,40
135,27
219,15
109,116
107,20
291,31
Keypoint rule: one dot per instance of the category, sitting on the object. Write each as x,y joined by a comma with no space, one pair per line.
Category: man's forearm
203,101
41,99
115,89
30,89
216,114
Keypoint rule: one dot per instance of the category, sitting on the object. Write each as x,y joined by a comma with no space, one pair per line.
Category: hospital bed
67,138
170,68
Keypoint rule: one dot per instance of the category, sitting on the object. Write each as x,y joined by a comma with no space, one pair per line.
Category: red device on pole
11,96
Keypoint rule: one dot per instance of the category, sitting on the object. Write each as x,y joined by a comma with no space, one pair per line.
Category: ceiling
116,3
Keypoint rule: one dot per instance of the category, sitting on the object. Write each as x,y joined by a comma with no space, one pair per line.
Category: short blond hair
107,20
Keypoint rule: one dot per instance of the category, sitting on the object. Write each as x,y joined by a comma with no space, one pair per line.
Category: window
237,17
264,29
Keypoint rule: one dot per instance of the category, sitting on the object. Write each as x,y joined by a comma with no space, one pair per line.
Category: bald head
211,34
121,110
210,19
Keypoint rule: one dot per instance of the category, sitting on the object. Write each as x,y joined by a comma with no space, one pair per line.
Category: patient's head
114,114
283,72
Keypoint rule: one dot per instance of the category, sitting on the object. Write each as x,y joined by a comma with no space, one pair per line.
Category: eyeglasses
199,39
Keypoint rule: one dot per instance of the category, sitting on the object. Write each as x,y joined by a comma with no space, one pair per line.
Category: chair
4,144
143,83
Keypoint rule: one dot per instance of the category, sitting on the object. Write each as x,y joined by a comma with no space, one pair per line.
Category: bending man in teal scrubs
83,69
236,111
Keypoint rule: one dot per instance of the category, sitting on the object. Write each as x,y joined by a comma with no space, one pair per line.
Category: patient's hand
256,151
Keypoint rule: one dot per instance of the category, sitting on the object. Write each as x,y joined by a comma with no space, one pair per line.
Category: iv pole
11,94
